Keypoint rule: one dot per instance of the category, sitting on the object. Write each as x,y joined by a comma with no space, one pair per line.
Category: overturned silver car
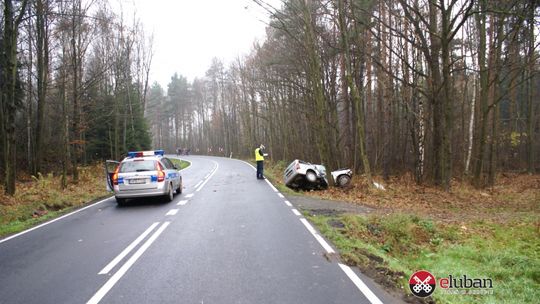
303,175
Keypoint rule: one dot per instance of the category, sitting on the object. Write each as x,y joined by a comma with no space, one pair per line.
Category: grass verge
181,164
41,198
390,248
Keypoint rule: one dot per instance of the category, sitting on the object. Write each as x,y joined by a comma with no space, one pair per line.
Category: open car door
110,167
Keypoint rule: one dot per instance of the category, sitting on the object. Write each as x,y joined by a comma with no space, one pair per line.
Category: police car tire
170,194
120,201
179,189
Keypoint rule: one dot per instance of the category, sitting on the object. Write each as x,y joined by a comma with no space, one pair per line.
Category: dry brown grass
36,196
515,195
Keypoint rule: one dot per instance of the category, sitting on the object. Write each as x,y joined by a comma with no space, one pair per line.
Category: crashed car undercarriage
306,176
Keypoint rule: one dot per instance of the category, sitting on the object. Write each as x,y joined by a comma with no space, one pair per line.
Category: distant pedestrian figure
259,158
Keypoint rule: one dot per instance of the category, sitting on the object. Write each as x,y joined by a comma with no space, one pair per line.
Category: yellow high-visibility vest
258,156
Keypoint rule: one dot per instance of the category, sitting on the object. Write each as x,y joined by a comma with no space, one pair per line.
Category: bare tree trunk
354,91
9,88
531,78
42,48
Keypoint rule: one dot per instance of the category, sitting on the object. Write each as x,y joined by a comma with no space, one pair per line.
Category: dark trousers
260,169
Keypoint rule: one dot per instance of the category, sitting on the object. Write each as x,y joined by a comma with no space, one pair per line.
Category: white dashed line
128,249
360,284
183,202
114,279
288,203
189,195
296,212
280,195
172,212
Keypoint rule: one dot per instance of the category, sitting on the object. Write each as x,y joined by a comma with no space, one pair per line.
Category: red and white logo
422,283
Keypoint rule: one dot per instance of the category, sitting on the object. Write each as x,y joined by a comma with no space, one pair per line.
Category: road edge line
51,221
360,284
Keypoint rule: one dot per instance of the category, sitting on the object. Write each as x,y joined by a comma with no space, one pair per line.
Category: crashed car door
110,167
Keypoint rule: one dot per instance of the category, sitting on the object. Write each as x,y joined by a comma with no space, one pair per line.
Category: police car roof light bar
132,154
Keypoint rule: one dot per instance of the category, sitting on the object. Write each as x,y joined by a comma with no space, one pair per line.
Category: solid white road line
360,284
172,212
245,162
189,195
209,177
197,185
183,202
348,271
128,249
272,186
319,238
114,279
296,212
51,221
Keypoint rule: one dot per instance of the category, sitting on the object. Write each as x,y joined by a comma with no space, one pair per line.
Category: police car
144,174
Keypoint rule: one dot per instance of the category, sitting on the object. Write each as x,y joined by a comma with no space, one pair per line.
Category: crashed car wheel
343,180
311,176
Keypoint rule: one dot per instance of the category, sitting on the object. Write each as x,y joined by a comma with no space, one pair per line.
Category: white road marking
319,238
114,279
360,284
271,186
172,212
189,195
348,271
296,212
280,195
209,177
197,185
245,162
51,221
183,202
128,249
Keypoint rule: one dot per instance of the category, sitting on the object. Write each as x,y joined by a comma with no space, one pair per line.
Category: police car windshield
137,166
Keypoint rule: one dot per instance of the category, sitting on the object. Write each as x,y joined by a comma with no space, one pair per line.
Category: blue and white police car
144,174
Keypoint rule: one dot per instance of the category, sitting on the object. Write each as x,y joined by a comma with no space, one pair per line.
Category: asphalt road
228,238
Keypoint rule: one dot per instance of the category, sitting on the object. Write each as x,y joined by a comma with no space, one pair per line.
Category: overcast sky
189,33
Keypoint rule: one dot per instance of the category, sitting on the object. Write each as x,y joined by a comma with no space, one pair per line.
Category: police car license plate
137,181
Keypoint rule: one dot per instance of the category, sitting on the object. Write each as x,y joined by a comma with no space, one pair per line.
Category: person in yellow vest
259,158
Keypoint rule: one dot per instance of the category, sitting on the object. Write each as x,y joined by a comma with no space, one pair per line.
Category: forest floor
491,233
